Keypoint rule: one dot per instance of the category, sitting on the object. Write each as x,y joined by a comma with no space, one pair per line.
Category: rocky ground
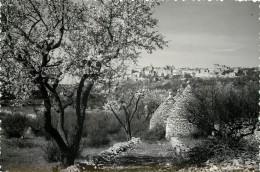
139,156
135,155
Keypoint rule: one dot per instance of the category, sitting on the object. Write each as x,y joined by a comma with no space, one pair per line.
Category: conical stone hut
177,124
160,116
170,115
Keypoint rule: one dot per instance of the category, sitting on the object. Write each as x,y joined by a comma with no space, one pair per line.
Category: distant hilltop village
171,71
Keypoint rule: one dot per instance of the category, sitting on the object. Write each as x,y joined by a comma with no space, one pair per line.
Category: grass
26,158
23,110
30,158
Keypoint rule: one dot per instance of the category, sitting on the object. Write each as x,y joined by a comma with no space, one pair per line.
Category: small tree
127,103
187,75
229,112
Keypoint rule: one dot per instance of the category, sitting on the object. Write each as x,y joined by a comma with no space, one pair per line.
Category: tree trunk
69,160
128,137
81,105
128,132
52,131
70,151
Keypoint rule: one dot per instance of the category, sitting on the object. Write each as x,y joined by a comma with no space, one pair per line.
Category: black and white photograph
129,85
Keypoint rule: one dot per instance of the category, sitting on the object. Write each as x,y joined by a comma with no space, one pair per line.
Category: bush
3,115
201,153
150,102
19,143
14,125
119,136
217,151
52,153
99,127
187,75
154,135
199,134
37,125
98,139
228,111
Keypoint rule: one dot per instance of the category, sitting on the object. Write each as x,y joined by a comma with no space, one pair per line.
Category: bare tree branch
122,124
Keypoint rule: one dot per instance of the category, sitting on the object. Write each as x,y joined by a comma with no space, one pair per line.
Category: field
27,154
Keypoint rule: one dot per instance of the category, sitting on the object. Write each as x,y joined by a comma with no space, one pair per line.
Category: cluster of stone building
170,115
171,71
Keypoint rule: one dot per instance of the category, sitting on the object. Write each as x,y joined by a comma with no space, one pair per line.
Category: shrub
187,75
154,135
228,111
119,136
98,139
14,125
199,134
18,143
151,101
98,128
140,126
201,153
52,153
3,115
217,151
37,125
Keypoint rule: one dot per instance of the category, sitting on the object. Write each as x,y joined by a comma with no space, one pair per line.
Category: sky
204,33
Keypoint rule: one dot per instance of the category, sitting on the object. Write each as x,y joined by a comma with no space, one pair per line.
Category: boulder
72,168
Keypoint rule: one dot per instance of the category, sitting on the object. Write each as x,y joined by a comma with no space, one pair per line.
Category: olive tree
227,111
45,41
128,103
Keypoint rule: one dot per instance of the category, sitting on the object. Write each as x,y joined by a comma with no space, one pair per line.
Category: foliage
3,115
170,86
199,134
37,125
154,135
219,150
140,126
47,41
96,101
99,128
19,143
102,120
187,75
14,125
151,101
227,111
126,101
98,138
52,153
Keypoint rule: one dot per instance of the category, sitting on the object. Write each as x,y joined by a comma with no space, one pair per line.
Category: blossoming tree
44,41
